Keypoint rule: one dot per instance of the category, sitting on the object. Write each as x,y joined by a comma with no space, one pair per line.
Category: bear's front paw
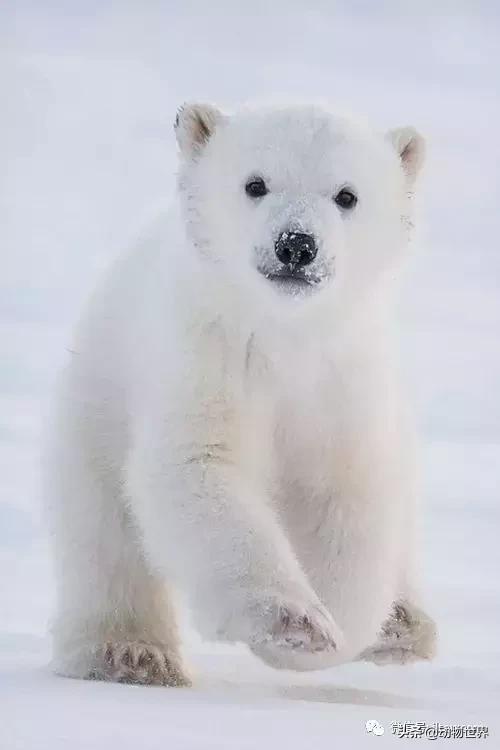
407,636
138,663
299,636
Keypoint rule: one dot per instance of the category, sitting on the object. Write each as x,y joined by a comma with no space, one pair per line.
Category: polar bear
230,428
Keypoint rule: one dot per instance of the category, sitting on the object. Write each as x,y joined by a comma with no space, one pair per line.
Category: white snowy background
89,90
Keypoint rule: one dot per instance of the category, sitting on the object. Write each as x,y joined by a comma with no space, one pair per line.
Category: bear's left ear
194,126
410,146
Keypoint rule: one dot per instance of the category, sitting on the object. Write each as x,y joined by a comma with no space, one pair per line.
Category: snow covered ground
89,92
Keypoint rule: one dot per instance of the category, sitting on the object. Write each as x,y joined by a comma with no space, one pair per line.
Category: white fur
220,437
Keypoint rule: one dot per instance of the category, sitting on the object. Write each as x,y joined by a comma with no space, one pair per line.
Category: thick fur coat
230,427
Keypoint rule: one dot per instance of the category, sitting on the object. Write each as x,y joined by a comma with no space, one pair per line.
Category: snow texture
90,91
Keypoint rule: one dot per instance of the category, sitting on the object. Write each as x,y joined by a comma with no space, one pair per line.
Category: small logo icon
373,727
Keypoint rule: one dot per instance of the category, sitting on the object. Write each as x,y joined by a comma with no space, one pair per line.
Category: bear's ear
195,125
410,146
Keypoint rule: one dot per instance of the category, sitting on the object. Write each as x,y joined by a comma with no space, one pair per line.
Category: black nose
295,249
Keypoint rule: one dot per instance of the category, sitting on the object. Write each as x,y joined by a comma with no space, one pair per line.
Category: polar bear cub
230,428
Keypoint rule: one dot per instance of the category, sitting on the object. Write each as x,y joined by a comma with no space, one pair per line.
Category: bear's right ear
410,147
194,126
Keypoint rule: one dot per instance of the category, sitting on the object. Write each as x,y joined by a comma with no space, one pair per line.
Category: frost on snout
295,250
292,252
295,262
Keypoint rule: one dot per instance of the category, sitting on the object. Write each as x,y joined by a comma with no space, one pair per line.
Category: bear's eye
346,199
256,187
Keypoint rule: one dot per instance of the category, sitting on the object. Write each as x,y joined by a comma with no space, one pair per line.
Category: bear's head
311,203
